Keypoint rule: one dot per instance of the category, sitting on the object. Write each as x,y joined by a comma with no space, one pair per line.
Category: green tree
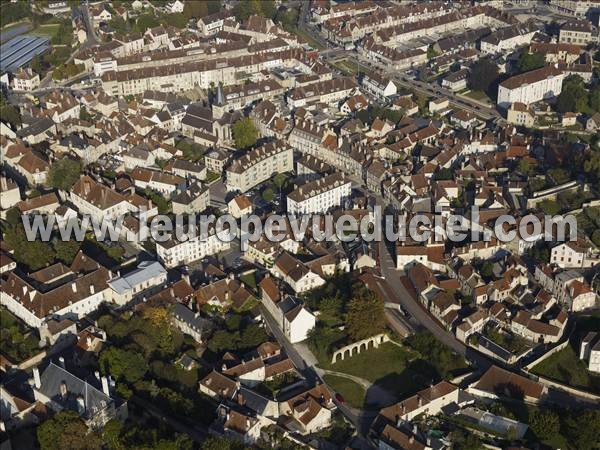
530,61
145,22
126,365
64,173
11,115
34,254
487,270
365,317
573,96
545,424
111,435
37,65
66,431
268,195
66,250
177,20
583,429
222,341
483,74
221,443
595,99
245,133
195,10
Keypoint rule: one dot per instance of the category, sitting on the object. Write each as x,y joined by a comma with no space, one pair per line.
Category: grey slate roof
94,400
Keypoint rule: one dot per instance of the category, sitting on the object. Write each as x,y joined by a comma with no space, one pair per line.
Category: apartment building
258,165
320,195
531,87
328,92
577,32
174,253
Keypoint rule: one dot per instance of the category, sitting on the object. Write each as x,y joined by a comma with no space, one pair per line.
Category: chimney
105,386
36,378
63,389
74,287
224,367
97,375
411,440
61,361
241,400
248,422
24,290
92,289
88,342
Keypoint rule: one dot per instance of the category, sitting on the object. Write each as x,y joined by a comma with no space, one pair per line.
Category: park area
393,371
565,366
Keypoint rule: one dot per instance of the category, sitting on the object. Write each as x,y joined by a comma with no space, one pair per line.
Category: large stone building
258,165
531,87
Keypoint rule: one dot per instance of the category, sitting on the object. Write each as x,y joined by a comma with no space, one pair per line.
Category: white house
26,80
292,317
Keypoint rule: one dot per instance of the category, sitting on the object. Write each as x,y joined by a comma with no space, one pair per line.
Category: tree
66,250
11,115
545,424
583,429
487,270
126,365
365,317
195,10
573,96
221,443
146,21
34,254
594,99
177,20
66,431
483,74
37,65
64,173
268,195
111,435
530,61
245,133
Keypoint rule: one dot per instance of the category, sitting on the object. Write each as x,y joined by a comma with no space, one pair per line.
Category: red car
339,398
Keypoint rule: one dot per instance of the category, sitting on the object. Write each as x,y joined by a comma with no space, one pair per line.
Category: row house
328,92
508,38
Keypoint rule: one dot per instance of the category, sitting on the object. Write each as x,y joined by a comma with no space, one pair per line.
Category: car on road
340,398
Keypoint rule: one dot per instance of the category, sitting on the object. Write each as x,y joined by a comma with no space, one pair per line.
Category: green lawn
478,95
353,393
566,367
211,176
249,280
48,30
347,67
391,367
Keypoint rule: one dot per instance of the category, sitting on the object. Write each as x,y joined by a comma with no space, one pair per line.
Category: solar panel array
19,51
